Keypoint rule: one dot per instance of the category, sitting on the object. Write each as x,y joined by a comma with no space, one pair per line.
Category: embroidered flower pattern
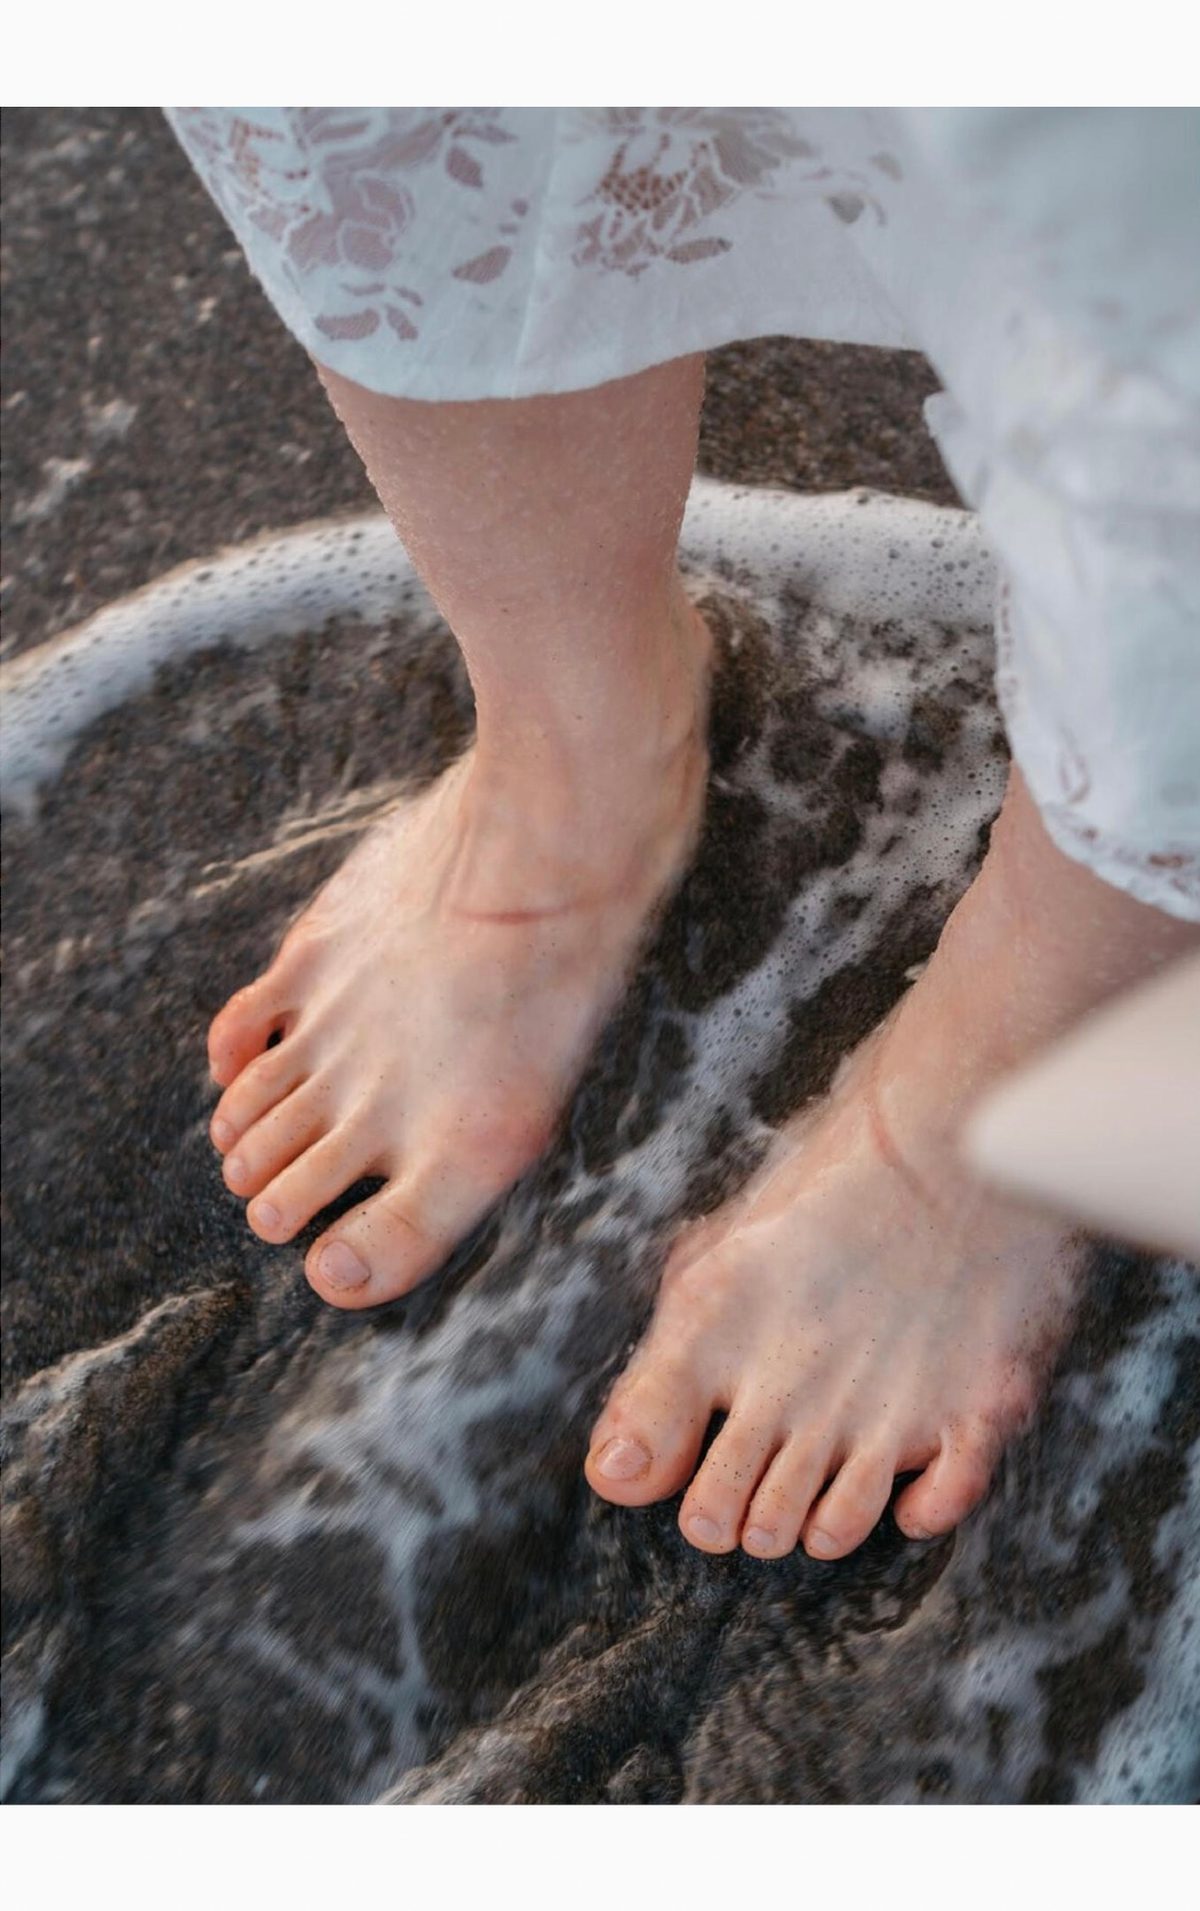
671,169
351,204
341,190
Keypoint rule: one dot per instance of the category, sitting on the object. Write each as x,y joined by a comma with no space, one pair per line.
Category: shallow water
256,1549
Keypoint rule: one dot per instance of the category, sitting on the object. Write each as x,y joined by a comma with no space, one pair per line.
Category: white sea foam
272,587
860,552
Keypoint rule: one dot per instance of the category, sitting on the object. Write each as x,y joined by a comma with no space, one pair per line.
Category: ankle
594,818
620,734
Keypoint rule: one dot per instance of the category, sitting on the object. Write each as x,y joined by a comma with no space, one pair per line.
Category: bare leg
866,1306
546,531
439,998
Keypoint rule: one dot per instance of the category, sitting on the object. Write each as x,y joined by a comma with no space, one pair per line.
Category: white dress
1046,261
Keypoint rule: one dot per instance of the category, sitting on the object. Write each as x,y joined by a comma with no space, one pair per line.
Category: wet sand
257,1550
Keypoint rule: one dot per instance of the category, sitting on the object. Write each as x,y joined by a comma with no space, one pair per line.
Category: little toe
243,1028
259,1087
714,1506
782,1503
284,1132
647,1440
851,1507
309,1183
951,1486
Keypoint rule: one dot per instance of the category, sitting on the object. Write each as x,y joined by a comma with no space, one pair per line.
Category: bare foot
856,1315
866,1307
439,998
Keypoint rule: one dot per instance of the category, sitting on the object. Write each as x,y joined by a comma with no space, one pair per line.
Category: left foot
865,1308
857,1317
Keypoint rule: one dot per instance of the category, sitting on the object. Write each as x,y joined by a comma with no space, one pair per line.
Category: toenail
823,1543
918,1532
222,1133
759,1537
701,1527
235,1167
266,1214
622,1460
341,1267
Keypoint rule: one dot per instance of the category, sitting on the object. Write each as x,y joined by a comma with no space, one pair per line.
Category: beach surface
256,1550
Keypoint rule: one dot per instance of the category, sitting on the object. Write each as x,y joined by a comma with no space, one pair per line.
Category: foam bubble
859,552
248,594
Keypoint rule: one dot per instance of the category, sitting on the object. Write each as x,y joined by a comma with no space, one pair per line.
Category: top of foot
438,1001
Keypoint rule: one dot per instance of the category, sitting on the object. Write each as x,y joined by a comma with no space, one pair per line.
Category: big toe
646,1442
405,1233
402,1235
377,1252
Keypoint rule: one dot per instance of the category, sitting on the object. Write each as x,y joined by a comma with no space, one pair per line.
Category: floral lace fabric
1048,263
508,249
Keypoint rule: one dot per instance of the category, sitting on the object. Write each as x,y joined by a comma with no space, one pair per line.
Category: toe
646,1442
256,1090
846,1513
284,1132
244,1027
405,1233
311,1182
781,1505
715,1504
950,1487
378,1251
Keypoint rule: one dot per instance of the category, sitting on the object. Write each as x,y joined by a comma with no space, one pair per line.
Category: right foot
439,998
